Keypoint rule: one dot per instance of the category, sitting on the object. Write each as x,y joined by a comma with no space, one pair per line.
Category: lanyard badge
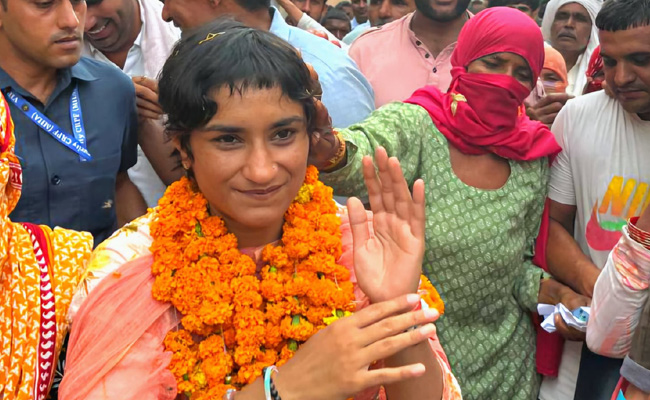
75,142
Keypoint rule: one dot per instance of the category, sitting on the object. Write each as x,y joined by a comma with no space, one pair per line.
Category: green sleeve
399,128
527,284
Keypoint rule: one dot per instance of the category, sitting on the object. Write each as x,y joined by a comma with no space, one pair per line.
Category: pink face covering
481,113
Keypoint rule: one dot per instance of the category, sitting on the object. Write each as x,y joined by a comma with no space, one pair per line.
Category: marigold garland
246,319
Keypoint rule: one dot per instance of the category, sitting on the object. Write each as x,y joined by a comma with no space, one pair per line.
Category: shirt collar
138,40
279,26
79,72
414,39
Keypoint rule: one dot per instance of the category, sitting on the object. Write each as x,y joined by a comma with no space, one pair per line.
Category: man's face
526,9
360,8
44,32
381,12
626,62
571,28
442,10
188,14
110,24
313,8
337,27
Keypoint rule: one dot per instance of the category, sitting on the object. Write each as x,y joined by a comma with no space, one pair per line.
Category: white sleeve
619,297
561,187
306,23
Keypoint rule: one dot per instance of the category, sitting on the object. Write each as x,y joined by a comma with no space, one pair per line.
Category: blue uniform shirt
58,188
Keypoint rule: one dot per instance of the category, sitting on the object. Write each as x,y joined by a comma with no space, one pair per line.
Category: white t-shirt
604,170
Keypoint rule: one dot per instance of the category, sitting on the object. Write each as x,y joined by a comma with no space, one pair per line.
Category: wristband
269,388
230,394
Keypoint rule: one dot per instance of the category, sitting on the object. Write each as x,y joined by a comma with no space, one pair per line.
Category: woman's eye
489,64
285,134
524,78
228,139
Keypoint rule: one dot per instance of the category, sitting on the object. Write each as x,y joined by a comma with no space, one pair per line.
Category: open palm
388,256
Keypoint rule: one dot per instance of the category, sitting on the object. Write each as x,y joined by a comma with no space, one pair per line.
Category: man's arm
151,137
129,203
566,261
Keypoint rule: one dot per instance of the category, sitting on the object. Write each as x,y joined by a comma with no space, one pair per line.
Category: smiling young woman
247,280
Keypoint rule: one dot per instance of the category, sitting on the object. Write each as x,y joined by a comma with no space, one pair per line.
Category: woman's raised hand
388,257
334,363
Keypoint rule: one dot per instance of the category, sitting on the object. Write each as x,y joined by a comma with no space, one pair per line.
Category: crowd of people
292,199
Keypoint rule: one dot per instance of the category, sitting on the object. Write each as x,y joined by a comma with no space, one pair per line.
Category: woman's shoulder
537,169
131,241
408,112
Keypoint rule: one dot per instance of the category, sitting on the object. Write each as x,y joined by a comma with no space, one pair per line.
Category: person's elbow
604,343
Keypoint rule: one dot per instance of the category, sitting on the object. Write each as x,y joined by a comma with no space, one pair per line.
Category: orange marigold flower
297,328
213,227
430,295
311,176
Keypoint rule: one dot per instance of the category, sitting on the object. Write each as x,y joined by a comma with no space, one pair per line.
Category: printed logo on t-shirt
624,198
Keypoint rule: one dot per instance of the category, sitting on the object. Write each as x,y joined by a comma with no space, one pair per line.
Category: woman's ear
186,160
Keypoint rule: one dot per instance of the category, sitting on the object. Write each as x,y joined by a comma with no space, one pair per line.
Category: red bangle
640,236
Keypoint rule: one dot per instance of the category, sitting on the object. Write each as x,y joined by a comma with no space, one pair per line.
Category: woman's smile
261,194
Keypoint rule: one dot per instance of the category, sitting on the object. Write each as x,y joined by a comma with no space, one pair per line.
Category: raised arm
397,127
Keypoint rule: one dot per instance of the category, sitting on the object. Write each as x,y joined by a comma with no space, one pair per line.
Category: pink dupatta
120,323
116,351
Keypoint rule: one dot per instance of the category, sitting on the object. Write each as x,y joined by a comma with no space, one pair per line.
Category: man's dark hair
335,14
533,4
619,15
254,5
227,54
343,4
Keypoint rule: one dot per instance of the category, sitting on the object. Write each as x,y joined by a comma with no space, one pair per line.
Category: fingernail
427,329
431,313
412,298
418,369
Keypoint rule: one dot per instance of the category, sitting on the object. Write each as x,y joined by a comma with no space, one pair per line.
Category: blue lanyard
76,144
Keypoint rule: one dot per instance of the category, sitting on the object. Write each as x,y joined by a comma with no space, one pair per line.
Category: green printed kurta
478,250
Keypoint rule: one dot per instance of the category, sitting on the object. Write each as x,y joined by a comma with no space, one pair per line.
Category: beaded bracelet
269,387
640,236
274,392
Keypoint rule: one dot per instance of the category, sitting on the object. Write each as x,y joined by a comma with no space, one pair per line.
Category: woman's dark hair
619,15
225,53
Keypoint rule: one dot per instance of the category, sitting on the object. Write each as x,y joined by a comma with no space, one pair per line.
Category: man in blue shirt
75,121
346,93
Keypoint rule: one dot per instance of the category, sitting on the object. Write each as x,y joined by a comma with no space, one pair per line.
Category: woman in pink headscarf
487,168
554,73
